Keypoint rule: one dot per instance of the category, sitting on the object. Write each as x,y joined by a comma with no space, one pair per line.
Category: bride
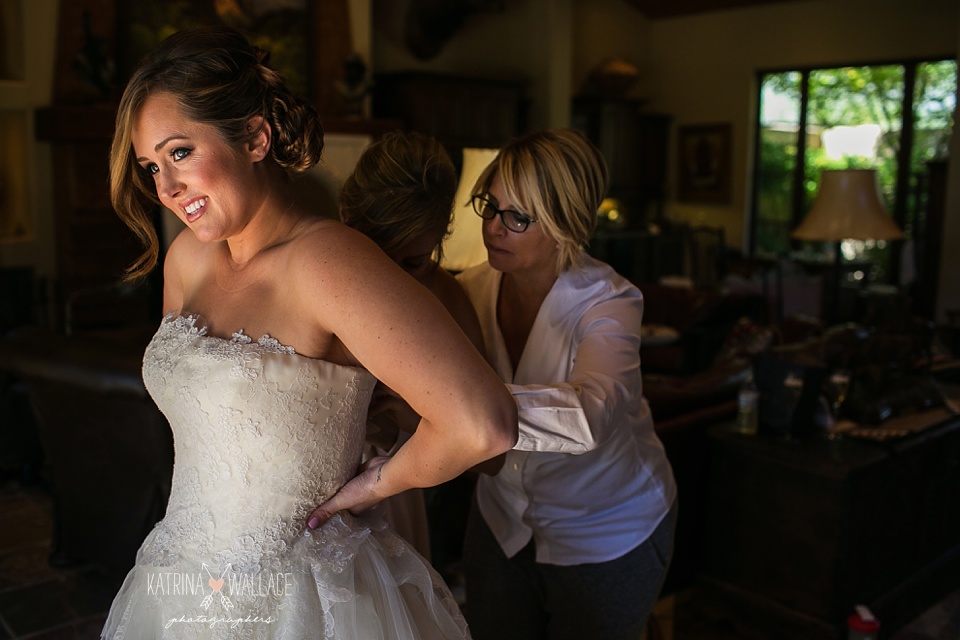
278,323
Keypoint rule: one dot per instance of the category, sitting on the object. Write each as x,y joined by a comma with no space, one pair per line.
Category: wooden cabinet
460,112
642,256
93,246
798,533
635,147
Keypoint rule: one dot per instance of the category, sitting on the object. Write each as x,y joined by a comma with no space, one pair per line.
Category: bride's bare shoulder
186,251
316,228
325,241
336,263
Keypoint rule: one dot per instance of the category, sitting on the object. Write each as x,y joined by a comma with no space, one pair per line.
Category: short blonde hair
558,177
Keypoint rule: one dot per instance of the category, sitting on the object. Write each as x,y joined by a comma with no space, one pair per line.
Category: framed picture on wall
705,160
280,26
309,40
12,54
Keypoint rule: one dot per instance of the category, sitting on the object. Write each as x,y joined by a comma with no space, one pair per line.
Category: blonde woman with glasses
573,538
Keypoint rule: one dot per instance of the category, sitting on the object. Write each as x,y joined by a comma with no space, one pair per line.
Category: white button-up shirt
588,479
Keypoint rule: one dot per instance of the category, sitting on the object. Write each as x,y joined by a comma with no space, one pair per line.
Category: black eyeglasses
512,220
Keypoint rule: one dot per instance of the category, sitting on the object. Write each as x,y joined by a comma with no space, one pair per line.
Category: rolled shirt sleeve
579,391
586,339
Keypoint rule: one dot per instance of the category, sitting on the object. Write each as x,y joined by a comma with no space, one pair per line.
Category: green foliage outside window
845,97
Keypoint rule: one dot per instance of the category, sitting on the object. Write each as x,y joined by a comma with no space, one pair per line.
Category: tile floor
40,602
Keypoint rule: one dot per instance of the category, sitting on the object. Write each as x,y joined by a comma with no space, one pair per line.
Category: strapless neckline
193,324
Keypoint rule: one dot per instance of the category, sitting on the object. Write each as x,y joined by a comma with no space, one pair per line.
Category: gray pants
520,599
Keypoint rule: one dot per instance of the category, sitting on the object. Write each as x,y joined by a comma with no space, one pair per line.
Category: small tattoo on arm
379,469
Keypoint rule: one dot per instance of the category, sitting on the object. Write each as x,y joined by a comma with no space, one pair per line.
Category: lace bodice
262,435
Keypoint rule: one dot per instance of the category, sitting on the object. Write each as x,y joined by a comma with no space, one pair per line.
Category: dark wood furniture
108,451
460,112
641,256
798,533
93,246
694,252
635,147
839,287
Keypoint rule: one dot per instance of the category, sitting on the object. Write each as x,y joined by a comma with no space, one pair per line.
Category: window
891,117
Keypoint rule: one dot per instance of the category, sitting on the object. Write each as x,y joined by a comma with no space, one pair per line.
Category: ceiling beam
656,9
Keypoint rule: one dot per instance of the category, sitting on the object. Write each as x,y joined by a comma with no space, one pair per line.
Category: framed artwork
11,40
705,161
283,27
15,219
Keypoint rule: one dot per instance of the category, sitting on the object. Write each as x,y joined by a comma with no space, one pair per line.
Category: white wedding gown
263,435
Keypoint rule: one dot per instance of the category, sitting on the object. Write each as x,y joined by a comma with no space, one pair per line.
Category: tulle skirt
349,579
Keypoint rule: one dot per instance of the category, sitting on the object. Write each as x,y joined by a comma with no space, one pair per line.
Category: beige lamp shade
464,248
848,207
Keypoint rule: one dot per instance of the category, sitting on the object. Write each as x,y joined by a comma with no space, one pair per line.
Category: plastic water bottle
748,400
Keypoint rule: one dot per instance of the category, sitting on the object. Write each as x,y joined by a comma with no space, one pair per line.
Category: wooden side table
798,533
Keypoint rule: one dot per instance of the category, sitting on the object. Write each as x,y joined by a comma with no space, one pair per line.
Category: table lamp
847,207
464,247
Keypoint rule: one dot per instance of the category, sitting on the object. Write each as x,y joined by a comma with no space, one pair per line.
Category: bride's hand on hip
358,495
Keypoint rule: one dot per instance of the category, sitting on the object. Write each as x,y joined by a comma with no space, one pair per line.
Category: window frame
798,200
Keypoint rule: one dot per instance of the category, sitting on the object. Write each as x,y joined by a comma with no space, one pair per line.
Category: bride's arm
175,266
403,335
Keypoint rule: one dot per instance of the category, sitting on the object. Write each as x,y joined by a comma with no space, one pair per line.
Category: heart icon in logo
216,584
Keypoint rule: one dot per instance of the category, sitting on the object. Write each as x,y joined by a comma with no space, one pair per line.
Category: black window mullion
902,187
757,164
798,203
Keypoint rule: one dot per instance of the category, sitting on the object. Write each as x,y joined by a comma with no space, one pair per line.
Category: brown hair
558,177
218,78
402,187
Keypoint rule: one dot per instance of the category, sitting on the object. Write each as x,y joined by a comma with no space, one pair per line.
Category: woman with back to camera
572,539
400,195
265,429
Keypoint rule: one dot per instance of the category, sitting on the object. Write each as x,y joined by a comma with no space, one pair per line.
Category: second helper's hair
402,187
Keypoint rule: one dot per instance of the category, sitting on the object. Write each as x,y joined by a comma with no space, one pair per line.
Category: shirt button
516,466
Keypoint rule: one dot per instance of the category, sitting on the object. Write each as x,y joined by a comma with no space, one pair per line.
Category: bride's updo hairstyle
220,79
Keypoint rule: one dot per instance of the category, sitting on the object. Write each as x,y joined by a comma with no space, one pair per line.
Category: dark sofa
108,449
